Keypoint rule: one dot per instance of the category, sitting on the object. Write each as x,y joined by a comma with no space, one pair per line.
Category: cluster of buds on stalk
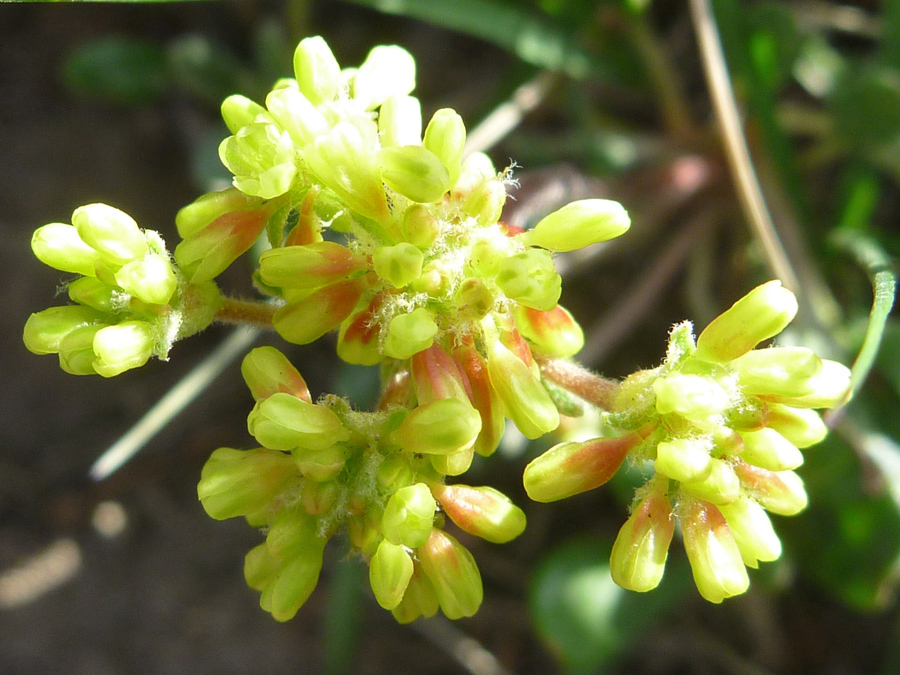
390,234
379,474
131,301
722,424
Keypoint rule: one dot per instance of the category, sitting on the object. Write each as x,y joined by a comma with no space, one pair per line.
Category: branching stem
246,312
595,389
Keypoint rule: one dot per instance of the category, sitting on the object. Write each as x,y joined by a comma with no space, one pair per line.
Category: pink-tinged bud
526,400
571,468
390,571
208,251
484,399
780,492
419,600
439,428
481,511
683,459
763,313
207,208
829,388
752,530
454,464
721,485
715,559
239,482
409,516
802,427
695,397
267,371
46,329
453,573
358,337
770,450
311,266
321,465
554,332
782,371
437,376
284,422
306,318
307,230
638,557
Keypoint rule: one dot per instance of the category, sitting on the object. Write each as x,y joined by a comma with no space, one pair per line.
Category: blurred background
119,103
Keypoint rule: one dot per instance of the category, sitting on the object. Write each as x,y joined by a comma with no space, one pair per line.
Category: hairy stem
248,312
595,389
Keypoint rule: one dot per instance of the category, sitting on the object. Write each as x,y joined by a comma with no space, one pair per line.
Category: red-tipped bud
780,492
482,511
554,332
267,371
306,318
485,400
715,559
358,337
638,557
437,376
571,468
311,266
453,574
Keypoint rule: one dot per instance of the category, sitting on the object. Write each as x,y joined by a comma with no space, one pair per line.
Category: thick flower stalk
722,424
322,466
131,302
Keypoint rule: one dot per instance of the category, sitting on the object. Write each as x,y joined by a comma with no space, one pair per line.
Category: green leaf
866,107
119,69
583,616
530,36
848,541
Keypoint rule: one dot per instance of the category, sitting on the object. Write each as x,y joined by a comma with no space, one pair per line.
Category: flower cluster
380,474
722,424
390,233
131,303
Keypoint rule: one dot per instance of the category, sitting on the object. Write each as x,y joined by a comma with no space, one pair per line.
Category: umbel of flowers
383,229
380,475
722,424
131,302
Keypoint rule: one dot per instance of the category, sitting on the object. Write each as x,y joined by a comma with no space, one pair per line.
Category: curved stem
595,389
248,312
